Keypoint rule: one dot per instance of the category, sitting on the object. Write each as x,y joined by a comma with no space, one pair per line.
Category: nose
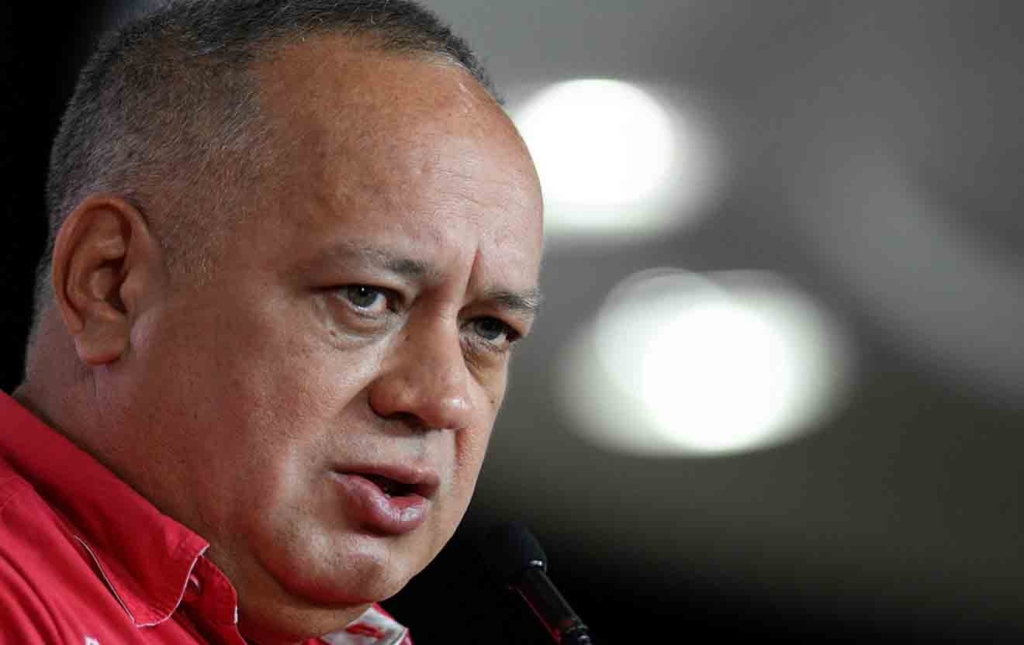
425,381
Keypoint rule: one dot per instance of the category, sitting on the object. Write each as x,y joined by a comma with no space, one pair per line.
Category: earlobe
103,244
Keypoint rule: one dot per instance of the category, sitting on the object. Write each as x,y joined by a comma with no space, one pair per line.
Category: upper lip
423,480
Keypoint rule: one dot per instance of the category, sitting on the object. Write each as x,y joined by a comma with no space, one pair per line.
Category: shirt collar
374,627
144,556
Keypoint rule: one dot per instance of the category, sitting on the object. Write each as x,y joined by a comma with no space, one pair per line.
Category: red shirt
86,560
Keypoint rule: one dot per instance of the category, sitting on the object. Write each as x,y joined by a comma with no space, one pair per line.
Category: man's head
172,97
295,340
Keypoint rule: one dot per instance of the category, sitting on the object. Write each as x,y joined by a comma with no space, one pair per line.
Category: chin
313,604
361,571
318,597
304,578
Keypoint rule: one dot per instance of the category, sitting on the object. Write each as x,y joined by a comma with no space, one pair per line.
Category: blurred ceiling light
616,161
678,363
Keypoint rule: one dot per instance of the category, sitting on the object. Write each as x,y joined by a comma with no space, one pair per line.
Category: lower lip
379,512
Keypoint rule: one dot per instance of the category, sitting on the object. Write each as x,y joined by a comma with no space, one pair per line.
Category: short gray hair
169,96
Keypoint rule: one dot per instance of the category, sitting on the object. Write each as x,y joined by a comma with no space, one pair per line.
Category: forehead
337,101
375,143
340,74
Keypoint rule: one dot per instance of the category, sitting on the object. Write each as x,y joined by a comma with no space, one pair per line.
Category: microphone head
510,549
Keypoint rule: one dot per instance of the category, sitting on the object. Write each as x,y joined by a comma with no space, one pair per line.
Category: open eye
365,299
493,331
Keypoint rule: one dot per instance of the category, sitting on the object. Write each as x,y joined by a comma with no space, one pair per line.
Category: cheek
471,445
289,357
470,450
297,396
267,385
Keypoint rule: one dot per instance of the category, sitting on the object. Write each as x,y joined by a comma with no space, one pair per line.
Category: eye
366,299
494,331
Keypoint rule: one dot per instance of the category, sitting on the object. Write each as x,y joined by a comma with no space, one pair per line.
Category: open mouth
386,499
390,487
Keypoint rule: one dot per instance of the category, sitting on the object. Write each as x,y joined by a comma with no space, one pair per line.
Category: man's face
323,404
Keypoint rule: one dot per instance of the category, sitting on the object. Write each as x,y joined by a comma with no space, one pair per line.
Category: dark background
900,519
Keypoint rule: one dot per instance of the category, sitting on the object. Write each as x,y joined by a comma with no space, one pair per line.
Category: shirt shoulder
24,610
48,589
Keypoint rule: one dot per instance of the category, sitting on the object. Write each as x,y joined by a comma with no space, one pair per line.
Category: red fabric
86,560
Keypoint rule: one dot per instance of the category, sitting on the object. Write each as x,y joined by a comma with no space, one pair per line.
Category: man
293,243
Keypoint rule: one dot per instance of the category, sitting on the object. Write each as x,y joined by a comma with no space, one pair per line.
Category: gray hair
168,102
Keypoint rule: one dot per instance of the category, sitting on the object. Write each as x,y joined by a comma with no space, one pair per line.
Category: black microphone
515,558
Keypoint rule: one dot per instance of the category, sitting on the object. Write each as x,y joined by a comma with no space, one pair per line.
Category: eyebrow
525,302
346,250
396,264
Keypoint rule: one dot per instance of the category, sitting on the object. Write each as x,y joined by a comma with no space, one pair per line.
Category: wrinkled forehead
343,84
362,133
341,98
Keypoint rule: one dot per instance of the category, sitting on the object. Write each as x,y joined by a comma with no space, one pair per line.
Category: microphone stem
561,621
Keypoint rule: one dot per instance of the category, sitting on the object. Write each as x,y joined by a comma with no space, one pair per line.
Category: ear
105,259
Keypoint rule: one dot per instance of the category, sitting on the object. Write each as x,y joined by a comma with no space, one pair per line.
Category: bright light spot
599,141
613,159
679,363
